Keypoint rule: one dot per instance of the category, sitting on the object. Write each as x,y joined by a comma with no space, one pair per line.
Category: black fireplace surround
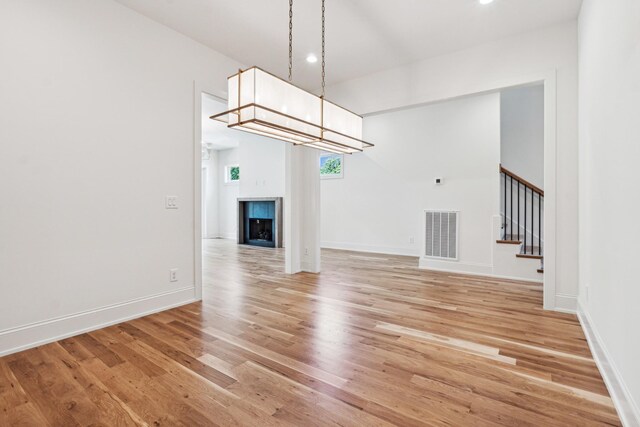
260,222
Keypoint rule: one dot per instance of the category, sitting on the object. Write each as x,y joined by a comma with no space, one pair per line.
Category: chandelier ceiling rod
323,63
290,39
262,103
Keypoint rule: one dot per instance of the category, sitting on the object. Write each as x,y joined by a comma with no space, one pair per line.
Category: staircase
522,214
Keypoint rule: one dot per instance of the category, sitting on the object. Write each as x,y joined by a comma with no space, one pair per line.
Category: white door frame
204,175
549,79
198,89
550,191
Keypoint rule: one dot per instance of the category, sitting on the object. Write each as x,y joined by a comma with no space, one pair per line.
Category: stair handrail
508,213
522,180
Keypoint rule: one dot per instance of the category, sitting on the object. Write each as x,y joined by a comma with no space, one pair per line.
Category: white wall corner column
609,131
302,210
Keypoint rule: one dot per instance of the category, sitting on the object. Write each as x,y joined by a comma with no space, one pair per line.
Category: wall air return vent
441,234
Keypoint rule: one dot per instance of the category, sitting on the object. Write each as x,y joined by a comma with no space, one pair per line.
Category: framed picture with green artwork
331,166
231,174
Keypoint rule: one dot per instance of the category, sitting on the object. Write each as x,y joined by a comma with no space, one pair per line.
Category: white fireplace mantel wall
262,174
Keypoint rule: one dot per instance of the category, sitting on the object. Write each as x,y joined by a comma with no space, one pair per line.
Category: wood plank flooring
372,341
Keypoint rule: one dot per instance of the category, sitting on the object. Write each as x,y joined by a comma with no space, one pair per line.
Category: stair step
541,270
509,242
529,256
532,252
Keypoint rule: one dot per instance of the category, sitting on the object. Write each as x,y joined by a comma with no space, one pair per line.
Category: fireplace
260,222
260,230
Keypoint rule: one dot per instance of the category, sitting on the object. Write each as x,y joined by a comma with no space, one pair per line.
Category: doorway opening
237,167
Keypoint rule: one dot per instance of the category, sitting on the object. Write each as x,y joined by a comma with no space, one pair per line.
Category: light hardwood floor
372,341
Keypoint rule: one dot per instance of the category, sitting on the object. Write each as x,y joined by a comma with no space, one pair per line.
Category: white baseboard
387,250
566,303
308,267
231,235
468,269
455,266
625,405
35,334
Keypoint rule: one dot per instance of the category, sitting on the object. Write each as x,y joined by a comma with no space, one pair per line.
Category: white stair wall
505,262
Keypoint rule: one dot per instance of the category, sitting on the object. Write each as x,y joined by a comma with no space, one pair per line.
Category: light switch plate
171,202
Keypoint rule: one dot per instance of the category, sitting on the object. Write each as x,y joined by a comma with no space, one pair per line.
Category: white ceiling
363,36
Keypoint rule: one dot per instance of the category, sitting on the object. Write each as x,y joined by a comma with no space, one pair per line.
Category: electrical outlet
173,275
171,202
306,251
412,240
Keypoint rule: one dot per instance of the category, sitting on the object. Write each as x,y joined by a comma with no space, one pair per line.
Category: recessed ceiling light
485,1
312,59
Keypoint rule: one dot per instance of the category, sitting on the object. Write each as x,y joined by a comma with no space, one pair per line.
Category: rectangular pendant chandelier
264,104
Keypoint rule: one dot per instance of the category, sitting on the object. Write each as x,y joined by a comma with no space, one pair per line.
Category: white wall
211,190
492,66
262,174
228,193
96,127
262,167
609,157
379,204
522,132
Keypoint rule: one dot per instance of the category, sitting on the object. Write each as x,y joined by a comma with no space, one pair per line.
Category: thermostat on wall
439,181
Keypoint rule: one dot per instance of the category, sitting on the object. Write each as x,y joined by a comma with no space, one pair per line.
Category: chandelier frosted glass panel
264,104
